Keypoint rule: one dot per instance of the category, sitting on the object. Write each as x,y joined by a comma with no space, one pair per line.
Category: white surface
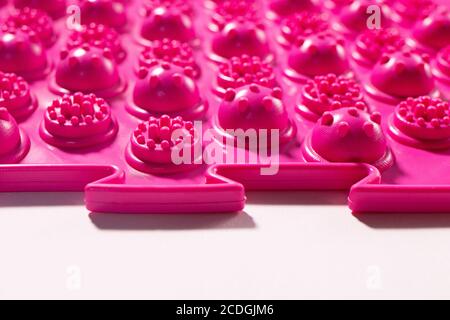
285,245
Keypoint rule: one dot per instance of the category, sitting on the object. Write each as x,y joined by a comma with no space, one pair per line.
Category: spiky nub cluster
111,13
54,8
239,71
12,88
331,92
232,10
36,20
170,51
156,133
371,44
79,110
297,27
424,117
97,35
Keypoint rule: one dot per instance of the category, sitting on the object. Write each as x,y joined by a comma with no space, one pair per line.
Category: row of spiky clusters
335,91
79,109
97,35
297,27
157,132
12,86
167,50
425,112
247,69
232,10
35,20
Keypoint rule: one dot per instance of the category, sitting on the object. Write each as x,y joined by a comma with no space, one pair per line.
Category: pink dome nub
282,8
408,12
238,38
441,68
422,122
319,54
100,36
106,12
170,51
167,21
255,107
154,142
230,10
295,28
15,96
348,135
167,89
54,8
14,143
36,20
433,32
400,75
244,70
327,93
87,69
354,18
372,44
78,121
22,52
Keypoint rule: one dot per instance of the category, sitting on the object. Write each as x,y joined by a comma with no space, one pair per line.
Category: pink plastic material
349,135
87,69
167,89
107,12
15,144
165,19
400,75
170,51
103,120
55,8
318,54
354,17
152,143
36,20
433,31
78,121
97,35
255,107
370,45
327,93
22,52
243,70
15,96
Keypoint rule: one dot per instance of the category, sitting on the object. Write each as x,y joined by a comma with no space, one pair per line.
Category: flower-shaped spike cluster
296,28
100,36
54,8
36,20
156,133
372,44
78,121
154,142
15,95
173,51
331,92
424,118
243,70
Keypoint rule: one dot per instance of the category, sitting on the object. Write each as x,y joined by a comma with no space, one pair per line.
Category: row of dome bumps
401,74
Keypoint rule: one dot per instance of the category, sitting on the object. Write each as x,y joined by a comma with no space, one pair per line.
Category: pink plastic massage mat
98,95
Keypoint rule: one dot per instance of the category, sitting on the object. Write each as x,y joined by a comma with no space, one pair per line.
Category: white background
288,245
